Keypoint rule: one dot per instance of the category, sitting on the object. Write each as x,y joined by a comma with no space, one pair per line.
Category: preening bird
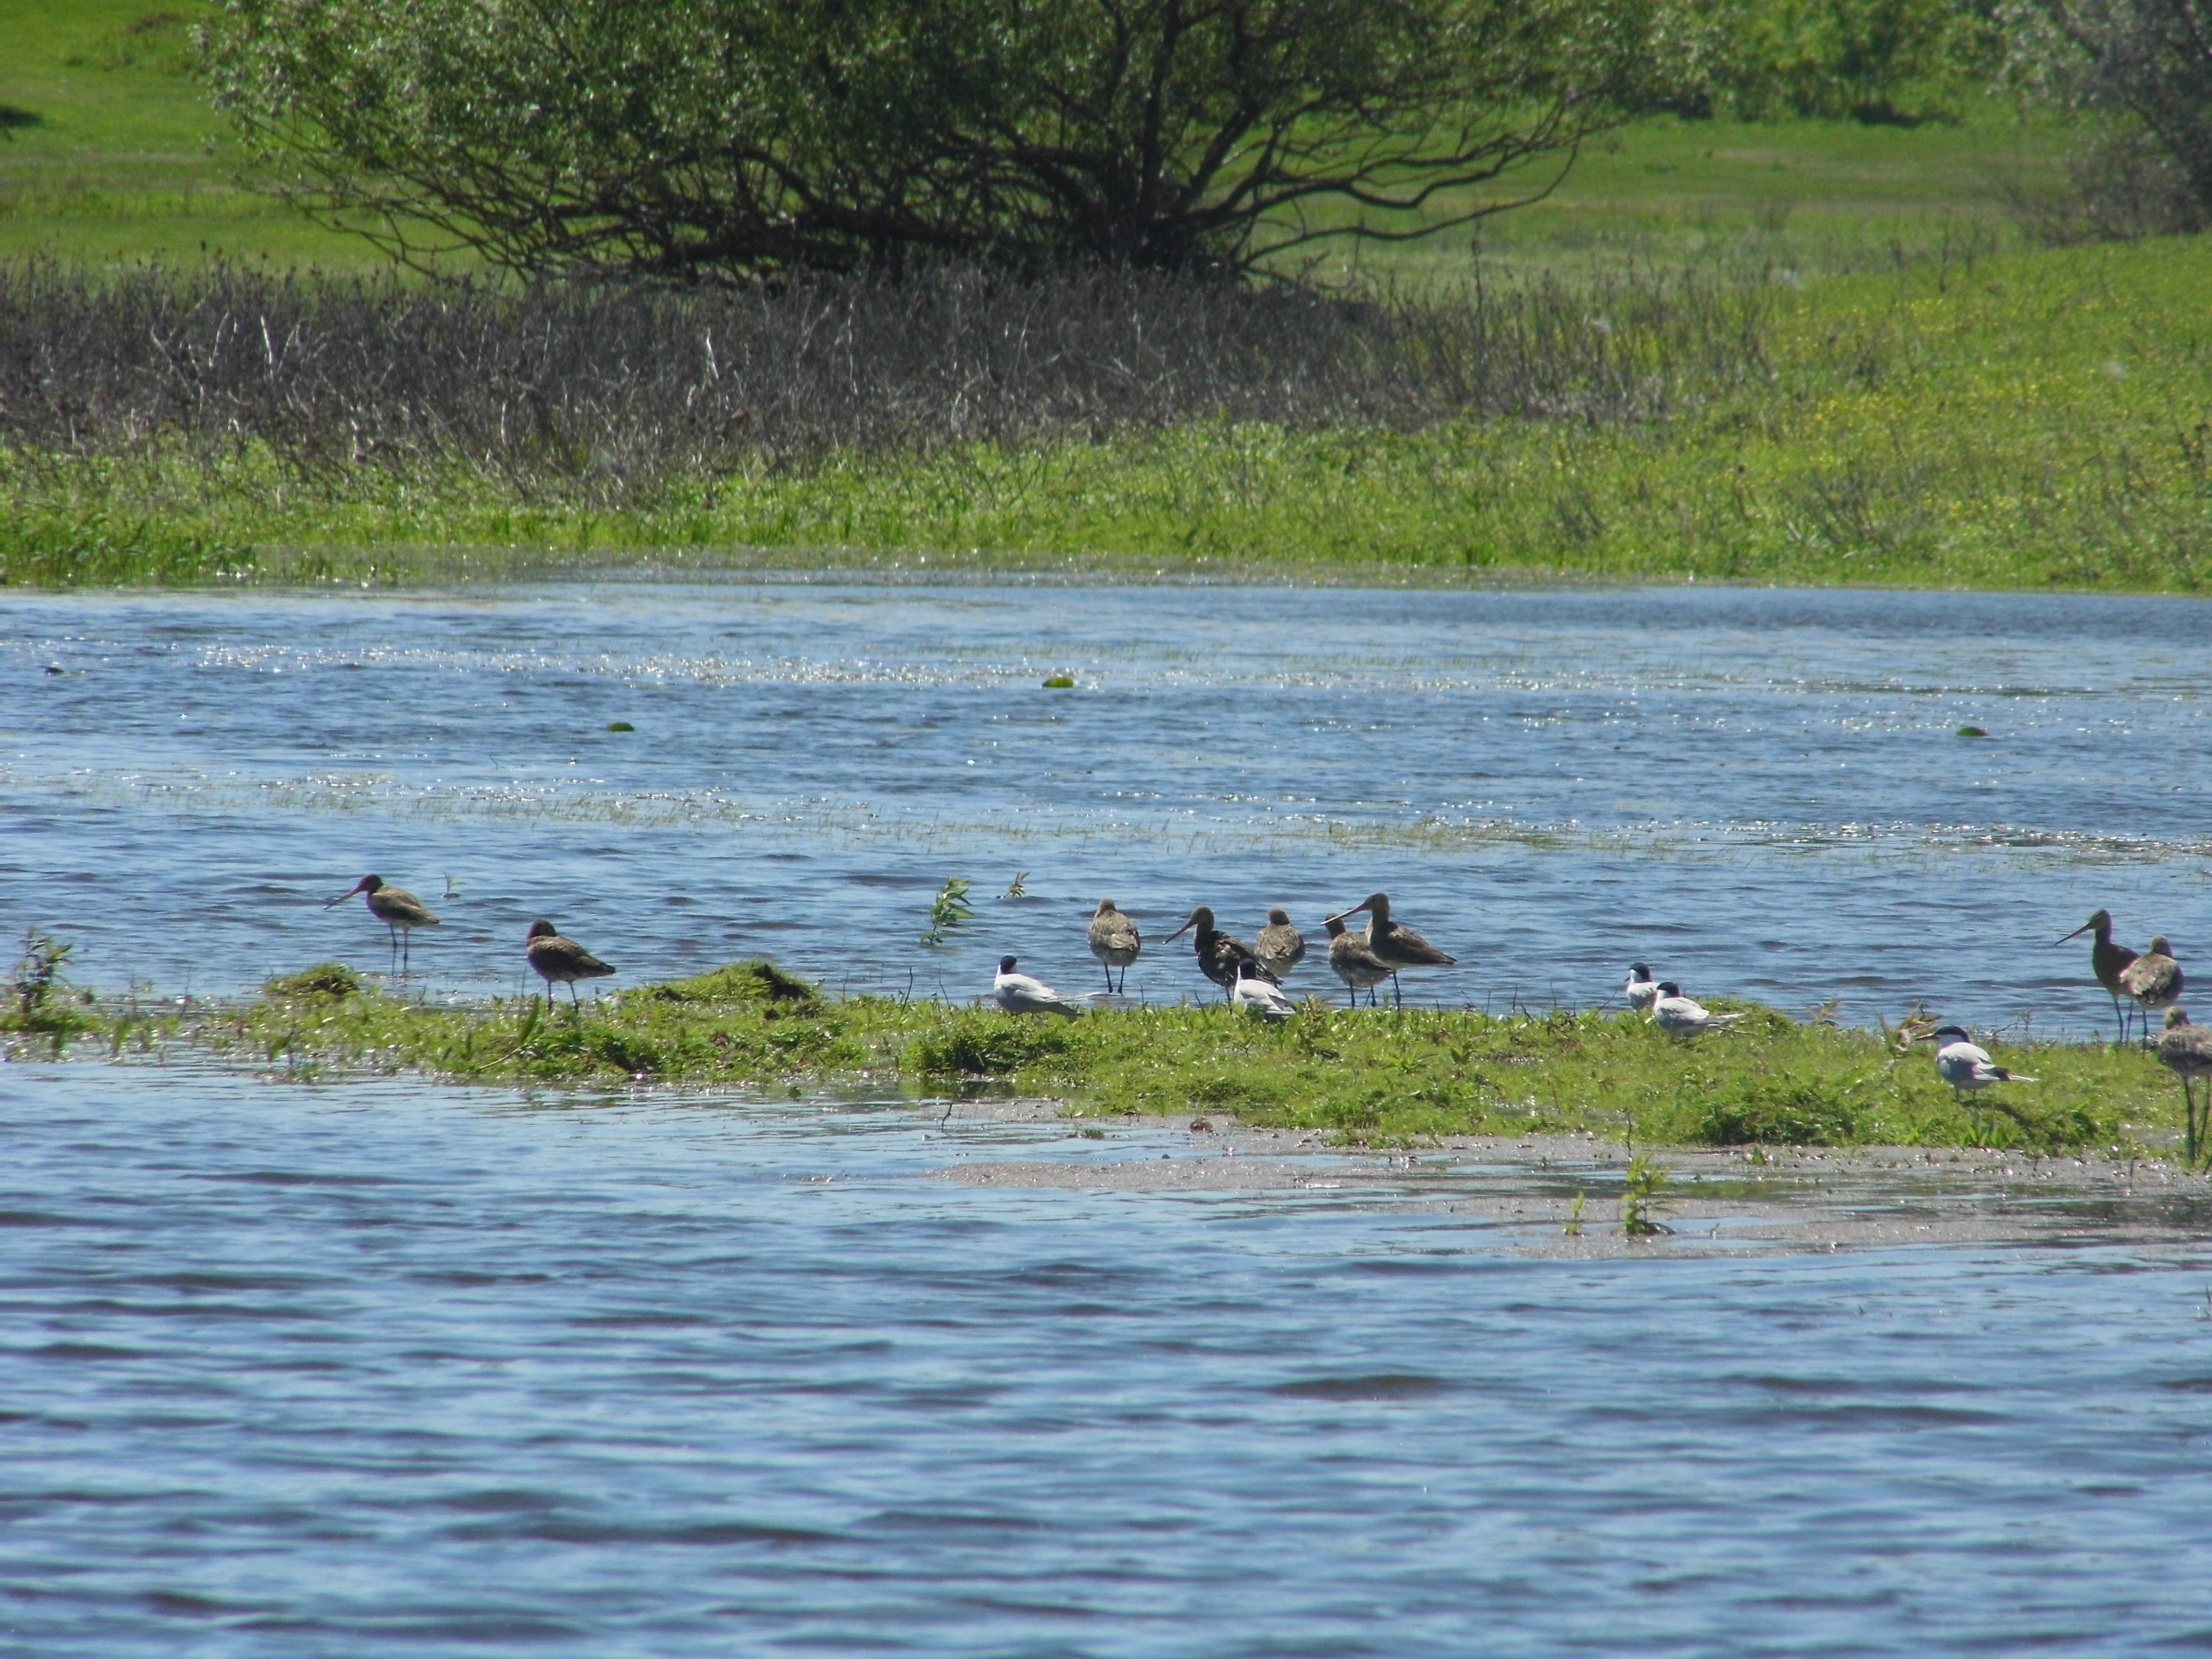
1681,1015
396,909
1350,959
559,960
1114,941
1642,990
1255,995
2108,961
1964,1064
1280,947
1018,994
2153,980
2187,1051
1219,954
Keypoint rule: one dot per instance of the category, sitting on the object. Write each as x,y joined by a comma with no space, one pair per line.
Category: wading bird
1395,946
2106,961
1280,947
2153,980
559,960
1642,990
1681,1015
1115,942
2187,1051
1359,967
1218,954
1965,1064
396,909
1258,996
1018,994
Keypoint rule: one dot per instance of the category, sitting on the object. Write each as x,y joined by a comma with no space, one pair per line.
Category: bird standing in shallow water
1114,941
1219,954
2106,961
2153,980
1681,1015
1018,994
1965,1064
2187,1051
1255,995
1359,967
559,960
1642,990
1280,947
1395,946
396,909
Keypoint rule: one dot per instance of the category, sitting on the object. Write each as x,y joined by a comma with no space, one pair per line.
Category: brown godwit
561,960
1218,954
1114,941
396,908
1359,967
1018,994
2187,1051
2153,980
1280,947
2106,961
1398,947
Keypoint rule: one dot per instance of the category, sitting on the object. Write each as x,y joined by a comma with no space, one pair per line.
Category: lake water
392,1367
1760,791
396,1368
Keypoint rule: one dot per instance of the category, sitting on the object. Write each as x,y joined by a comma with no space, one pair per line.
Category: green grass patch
2041,421
1367,1077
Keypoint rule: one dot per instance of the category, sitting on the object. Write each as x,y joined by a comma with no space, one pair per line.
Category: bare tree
2144,62
738,136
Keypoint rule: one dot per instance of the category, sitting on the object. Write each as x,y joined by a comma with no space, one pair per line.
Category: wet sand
1716,1199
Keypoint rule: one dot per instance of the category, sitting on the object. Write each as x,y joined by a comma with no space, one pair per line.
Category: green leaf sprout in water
1574,1227
621,726
1640,1201
1060,683
1019,887
949,912
1972,732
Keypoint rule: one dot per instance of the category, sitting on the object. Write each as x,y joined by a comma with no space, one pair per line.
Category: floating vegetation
1972,732
1370,1077
620,726
1060,683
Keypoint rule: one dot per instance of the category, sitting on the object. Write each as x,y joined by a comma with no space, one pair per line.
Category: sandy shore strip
1716,1199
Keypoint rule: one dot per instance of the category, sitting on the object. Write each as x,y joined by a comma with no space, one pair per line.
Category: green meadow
1922,396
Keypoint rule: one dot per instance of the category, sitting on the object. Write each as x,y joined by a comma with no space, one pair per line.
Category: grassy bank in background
2041,420
1370,1077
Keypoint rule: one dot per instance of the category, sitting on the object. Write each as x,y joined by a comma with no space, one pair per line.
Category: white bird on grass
1681,1015
1642,990
1255,995
1965,1064
1018,994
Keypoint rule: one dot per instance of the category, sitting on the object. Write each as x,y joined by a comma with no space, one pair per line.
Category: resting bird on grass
1280,947
560,961
1258,996
1114,941
1681,1015
1018,994
1642,990
1966,1065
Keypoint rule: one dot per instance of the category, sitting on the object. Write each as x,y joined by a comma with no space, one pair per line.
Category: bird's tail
1726,1019
1066,1008
2004,1076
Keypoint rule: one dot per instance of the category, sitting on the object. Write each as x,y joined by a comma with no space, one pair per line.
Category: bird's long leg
2189,1136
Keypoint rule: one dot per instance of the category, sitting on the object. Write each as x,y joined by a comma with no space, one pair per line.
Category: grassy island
1368,1076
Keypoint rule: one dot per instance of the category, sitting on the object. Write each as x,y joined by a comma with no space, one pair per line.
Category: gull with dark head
1260,997
1018,994
1965,1064
1642,990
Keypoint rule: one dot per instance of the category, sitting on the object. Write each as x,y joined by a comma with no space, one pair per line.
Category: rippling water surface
1760,791
392,1368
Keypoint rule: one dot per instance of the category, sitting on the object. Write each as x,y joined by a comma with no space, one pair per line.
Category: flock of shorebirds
1252,976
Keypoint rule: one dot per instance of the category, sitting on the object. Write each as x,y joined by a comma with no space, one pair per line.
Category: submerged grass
1368,1077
